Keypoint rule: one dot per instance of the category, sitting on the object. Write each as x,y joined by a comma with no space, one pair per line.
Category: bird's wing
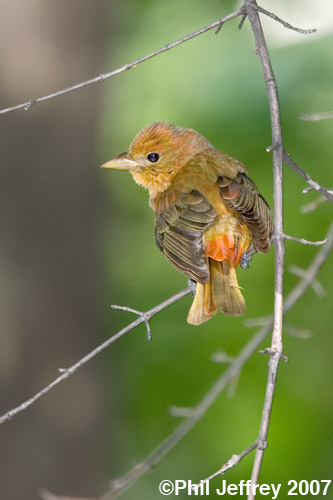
179,234
242,195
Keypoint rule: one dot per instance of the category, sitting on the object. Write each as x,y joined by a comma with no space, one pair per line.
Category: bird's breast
155,182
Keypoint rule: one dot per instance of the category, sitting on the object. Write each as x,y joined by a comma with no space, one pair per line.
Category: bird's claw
246,258
193,286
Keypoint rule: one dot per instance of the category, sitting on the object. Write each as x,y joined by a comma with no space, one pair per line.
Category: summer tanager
208,213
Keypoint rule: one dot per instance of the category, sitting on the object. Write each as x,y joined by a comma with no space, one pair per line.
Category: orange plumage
208,213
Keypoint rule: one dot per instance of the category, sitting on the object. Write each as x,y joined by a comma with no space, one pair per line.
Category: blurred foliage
214,84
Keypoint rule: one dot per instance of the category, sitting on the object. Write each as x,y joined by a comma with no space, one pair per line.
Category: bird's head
157,154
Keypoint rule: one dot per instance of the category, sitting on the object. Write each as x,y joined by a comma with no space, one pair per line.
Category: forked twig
143,318
314,184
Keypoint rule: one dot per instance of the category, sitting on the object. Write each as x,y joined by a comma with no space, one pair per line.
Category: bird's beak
120,162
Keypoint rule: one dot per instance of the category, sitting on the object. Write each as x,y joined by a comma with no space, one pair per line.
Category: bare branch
309,207
233,461
144,315
217,24
47,495
314,184
317,287
315,117
284,23
295,331
310,274
251,322
276,346
305,242
143,318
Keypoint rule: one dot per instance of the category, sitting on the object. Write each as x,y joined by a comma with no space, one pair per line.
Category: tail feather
225,291
222,292
197,314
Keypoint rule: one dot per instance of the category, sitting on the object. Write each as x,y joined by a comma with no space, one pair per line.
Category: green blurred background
95,240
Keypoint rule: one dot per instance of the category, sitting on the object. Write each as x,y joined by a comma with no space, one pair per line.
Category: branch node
30,103
262,444
273,352
234,460
277,145
143,315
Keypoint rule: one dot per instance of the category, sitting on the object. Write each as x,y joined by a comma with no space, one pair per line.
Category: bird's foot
193,286
246,258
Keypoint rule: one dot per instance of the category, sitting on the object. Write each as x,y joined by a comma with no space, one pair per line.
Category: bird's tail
221,292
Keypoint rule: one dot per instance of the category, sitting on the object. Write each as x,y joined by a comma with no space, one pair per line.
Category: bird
209,216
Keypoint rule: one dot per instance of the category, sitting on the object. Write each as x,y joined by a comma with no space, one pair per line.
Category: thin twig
144,315
276,346
69,371
315,117
284,23
310,274
32,102
295,331
233,461
314,184
251,322
47,495
310,207
303,241
317,287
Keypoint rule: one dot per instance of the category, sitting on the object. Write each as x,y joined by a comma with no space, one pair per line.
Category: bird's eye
153,157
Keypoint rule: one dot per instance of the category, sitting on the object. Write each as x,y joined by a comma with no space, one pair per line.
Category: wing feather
179,234
242,195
